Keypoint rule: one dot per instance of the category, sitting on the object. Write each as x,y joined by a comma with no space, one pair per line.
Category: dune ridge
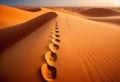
12,34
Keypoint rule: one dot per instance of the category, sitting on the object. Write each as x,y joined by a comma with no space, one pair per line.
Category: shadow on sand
10,35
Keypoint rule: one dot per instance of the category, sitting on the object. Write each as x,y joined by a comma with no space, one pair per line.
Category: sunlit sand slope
10,16
89,51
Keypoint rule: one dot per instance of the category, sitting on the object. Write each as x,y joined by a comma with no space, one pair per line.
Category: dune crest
13,34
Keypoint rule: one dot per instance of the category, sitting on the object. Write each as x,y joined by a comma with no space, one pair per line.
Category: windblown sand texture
52,46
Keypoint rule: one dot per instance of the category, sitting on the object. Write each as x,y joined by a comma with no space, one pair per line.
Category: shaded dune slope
12,34
99,12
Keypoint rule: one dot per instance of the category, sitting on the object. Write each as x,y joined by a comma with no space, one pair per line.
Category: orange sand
12,16
89,50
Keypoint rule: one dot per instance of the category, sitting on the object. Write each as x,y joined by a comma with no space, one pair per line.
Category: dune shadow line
10,35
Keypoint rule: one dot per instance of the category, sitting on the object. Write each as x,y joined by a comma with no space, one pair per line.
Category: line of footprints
48,69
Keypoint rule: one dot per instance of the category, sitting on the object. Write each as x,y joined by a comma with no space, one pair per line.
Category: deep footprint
56,28
50,58
53,71
51,47
57,40
56,46
57,31
53,36
54,56
57,35
54,41
49,73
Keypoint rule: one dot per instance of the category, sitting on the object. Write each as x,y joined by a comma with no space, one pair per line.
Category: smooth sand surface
89,51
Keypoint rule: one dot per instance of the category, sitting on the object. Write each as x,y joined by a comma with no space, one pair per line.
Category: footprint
54,36
56,28
50,58
56,46
58,40
57,31
57,35
48,72
53,47
54,41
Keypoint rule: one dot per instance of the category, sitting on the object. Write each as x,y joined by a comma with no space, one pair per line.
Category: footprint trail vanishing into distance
48,69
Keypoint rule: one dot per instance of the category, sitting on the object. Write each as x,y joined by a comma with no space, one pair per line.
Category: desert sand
58,47
105,15
10,16
109,15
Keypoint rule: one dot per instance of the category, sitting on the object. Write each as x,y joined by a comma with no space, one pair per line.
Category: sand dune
10,16
12,34
106,15
90,49
111,16
99,12
60,47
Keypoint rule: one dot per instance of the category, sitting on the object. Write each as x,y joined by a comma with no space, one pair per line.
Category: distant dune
27,8
111,15
99,12
106,15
